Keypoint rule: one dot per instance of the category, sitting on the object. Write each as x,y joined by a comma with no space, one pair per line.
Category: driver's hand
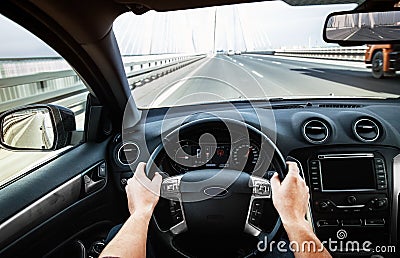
290,197
143,193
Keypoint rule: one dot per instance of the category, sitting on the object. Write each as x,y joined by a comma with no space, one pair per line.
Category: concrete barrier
46,85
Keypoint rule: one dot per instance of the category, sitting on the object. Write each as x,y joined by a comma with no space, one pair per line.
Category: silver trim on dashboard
311,140
362,139
396,192
346,156
350,206
121,149
41,209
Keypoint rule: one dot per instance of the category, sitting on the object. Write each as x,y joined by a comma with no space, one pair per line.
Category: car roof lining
90,20
138,6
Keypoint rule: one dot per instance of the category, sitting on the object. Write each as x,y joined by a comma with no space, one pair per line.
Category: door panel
40,210
57,201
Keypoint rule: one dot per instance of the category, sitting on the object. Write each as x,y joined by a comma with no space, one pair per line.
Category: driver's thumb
157,179
275,181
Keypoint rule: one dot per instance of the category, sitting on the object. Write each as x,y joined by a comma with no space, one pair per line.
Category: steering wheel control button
256,212
261,187
176,212
327,223
170,185
315,181
170,188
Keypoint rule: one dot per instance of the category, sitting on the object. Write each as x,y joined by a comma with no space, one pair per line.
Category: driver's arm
142,196
290,198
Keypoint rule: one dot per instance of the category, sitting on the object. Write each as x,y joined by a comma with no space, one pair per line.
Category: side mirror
36,127
359,28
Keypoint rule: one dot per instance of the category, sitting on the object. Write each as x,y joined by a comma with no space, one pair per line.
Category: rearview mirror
37,127
358,28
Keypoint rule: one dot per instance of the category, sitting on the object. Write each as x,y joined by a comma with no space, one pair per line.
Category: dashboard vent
339,106
128,153
366,130
315,131
287,106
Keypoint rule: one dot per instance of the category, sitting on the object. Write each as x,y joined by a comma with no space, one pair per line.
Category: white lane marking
166,94
318,71
351,35
259,75
234,60
310,69
259,59
240,64
275,62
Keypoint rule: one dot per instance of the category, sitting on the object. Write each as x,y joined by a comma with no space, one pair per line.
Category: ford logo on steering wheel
215,191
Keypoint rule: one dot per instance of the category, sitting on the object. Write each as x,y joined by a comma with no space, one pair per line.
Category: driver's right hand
290,197
143,193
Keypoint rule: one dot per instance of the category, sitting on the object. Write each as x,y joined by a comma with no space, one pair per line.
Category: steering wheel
225,201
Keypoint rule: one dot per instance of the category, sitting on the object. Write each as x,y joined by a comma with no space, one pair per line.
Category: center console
350,198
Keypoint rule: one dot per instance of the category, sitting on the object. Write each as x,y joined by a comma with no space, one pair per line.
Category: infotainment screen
347,174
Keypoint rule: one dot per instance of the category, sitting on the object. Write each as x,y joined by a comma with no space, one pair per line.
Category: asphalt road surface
254,76
237,77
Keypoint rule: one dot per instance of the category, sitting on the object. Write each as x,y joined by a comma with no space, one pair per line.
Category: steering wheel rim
175,182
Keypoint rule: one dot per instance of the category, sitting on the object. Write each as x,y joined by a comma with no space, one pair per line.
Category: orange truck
384,60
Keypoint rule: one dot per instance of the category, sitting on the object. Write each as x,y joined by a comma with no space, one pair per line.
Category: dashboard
349,151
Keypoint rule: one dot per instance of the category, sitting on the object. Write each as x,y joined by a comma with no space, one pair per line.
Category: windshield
248,51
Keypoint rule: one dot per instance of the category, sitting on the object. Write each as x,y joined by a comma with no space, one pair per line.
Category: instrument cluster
241,155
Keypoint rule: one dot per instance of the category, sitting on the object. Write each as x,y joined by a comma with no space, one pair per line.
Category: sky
255,26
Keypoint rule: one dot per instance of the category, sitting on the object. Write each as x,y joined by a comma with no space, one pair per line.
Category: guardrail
53,86
331,53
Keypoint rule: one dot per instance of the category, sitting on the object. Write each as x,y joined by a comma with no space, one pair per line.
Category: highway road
256,76
224,77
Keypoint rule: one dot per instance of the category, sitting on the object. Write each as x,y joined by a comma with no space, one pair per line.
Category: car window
32,73
253,51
